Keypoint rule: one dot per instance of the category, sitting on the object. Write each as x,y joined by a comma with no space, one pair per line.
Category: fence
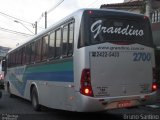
155,16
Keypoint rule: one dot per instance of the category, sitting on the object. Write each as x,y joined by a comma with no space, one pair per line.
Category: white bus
92,60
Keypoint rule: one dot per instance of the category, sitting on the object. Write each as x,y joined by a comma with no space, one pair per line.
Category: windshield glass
113,29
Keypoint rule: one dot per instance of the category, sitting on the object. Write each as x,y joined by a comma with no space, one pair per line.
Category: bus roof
80,11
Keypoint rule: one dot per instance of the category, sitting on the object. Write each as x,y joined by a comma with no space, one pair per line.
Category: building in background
3,51
136,6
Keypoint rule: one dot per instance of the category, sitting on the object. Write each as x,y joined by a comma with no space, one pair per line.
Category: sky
17,17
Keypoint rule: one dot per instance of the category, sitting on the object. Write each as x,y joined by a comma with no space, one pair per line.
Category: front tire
34,99
9,91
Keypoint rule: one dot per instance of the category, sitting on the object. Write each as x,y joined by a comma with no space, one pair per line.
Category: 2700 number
141,56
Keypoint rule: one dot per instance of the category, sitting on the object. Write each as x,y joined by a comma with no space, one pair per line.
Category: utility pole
35,27
148,8
45,14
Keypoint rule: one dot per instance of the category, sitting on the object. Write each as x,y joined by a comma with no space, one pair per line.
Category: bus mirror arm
4,64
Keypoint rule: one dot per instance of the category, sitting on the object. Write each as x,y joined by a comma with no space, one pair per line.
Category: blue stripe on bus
60,76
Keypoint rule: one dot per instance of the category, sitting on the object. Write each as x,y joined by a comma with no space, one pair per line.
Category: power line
92,3
23,26
17,19
54,7
50,10
14,32
9,16
33,24
40,18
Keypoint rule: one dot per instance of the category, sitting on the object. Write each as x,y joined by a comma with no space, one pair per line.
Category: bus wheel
34,99
9,90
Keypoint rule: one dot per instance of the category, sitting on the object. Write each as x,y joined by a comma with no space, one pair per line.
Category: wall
156,39
156,33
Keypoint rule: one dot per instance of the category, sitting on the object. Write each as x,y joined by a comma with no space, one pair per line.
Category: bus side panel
14,77
54,83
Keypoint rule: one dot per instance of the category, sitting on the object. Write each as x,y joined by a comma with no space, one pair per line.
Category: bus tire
9,90
34,99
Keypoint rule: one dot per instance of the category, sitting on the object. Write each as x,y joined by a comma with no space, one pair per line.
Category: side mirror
4,64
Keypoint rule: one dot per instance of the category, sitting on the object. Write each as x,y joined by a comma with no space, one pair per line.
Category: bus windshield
112,30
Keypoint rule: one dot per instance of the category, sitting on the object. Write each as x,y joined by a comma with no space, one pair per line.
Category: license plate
123,104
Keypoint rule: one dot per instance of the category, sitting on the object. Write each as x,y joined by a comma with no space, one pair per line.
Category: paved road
19,109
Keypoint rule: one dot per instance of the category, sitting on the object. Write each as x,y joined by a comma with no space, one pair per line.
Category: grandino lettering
97,28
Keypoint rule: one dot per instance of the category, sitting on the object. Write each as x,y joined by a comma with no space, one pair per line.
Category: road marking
153,106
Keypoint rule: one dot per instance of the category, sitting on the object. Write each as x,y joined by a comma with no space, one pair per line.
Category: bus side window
32,52
52,45
16,54
17,57
71,39
65,41
38,50
13,59
9,61
24,55
45,48
28,53
20,56
58,43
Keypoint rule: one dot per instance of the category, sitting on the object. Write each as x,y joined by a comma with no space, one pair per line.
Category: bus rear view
118,70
